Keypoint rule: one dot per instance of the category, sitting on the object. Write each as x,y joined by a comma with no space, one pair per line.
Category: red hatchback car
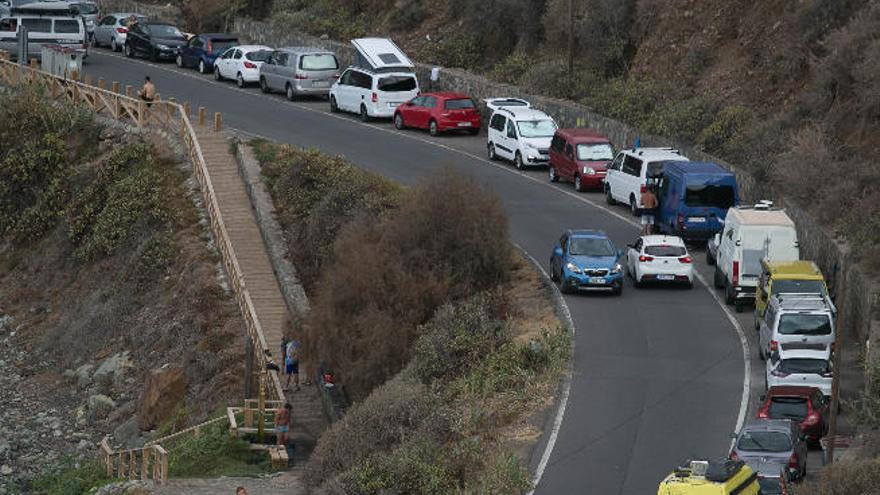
439,112
803,405
580,156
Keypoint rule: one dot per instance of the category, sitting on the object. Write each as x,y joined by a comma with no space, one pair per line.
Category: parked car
659,258
154,40
772,441
241,63
112,29
725,477
202,50
580,156
381,80
587,260
439,112
800,367
694,199
751,234
797,321
629,173
493,104
299,71
520,134
779,277
772,478
806,406
47,23
89,12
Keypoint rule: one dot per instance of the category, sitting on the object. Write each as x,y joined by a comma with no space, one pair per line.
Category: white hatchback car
241,63
659,258
800,367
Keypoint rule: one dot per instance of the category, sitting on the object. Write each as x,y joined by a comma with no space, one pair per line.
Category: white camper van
381,79
751,234
47,23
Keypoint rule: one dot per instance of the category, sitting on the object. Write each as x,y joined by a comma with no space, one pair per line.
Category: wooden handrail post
201,115
141,114
115,87
87,79
187,109
129,91
145,464
102,84
74,75
218,121
34,63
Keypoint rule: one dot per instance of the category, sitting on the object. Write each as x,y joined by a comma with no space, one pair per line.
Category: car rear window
393,84
710,196
37,25
770,486
165,31
318,61
458,104
764,441
258,56
802,286
800,324
804,365
664,250
219,46
595,152
788,408
66,26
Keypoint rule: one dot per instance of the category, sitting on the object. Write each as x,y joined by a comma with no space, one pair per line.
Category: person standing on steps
291,362
282,423
649,204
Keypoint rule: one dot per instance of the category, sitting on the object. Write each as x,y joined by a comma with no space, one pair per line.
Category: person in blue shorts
291,364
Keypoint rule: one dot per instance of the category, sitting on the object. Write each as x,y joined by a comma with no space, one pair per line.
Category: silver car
112,29
299,71
770,442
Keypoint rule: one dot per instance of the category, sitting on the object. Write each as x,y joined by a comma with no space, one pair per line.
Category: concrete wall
860,295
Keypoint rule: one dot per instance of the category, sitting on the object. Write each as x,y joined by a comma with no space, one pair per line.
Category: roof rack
806,296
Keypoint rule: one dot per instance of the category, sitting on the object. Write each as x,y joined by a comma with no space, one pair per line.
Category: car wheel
517,161
717,279
608,197
578,185
729,295
738,306
179,61
217,76
563,287
290,93
761,353
398,121
474,131
365,116
154,57
264,86
432,128
689,284
334,108
709,259
552,172
113,46
127,50
618,291
633,208
490,150
202,67
239,80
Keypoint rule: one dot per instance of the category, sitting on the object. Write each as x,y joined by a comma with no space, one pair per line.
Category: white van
628,175
47,23
751,234
520,134
381,79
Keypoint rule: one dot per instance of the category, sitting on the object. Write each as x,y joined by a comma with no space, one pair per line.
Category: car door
630,179
223,60
569,167
338,90
766,329
508,142
103,31
409,111
424,112
235,63
632,256
558,254
612,174
496,127
279,74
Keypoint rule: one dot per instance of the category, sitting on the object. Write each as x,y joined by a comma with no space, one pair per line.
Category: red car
439,112
804,405
580,156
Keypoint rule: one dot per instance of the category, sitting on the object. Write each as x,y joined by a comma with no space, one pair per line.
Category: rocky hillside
114,316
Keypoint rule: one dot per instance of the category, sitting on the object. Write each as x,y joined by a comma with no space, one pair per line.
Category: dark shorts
293,368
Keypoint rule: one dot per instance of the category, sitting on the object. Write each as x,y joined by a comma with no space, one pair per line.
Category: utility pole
835,377
570,38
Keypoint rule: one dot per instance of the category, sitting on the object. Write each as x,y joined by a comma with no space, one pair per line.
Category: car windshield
258,55
318,61
711,196
394,84
788,408
802,286
595,152
664,250
458,104
220,46
165,31
800,324
763,441
536,128
591,246
86,8
804,366
770,486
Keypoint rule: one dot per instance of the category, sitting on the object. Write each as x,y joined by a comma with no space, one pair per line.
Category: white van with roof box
49,23
381,79
750,235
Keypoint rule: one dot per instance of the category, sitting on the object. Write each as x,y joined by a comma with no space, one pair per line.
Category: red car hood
597,166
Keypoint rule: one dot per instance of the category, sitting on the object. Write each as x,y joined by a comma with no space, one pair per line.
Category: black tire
203,69
633,208
154,57
517,161
738,306
113,46
490,150
473,131
264,86
608,197
563,287
551,171
365,116
619,290
289,92
179,61
578,185
334,108
761,355
398,122
432,128
718,279
710,260
217,76
126,49
689,285
239,80
553,275
729,294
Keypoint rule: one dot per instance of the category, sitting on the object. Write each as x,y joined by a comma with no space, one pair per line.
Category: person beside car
649,204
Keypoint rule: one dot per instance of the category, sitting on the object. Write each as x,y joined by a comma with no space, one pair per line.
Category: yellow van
723,477
778,277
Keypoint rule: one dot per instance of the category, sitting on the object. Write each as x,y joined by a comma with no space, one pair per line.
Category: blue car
587,260
202,50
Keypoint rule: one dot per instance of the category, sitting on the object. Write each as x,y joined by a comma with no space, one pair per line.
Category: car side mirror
732,435
620,253
558,250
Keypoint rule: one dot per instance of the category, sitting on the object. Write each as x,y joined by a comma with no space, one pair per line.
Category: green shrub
213,453
727,125
630,101
416,467
458,50
512,68
408,16
858,476
867,406
71,477
683,119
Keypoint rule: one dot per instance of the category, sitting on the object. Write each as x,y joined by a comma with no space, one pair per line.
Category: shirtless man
649,204
148,93
282,423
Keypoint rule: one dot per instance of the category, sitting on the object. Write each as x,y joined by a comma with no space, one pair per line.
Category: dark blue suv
202,50
587,260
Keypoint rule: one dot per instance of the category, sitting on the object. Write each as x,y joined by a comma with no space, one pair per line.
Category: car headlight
616,269
163,47
589,171
572,268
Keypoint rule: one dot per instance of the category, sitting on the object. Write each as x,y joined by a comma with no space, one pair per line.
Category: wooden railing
172,117
136,464
192,430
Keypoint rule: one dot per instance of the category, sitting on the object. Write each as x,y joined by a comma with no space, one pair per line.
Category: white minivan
520,134
47,23
381,80
628,175
751,234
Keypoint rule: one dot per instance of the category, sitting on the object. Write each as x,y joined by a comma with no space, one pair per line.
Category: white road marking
744,402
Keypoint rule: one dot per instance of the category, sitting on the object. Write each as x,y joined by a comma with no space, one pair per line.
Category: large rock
100,406
112,370
164,390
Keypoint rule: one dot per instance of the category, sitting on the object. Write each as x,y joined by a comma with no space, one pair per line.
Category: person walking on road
282,423
291,364
649,204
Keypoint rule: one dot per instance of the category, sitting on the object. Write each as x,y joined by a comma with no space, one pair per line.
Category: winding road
658,374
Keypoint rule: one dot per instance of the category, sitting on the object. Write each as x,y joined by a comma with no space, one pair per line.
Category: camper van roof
761,217
381,53
44,8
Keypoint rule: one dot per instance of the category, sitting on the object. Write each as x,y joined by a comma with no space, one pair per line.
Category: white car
659,258
241,63
494,104
800,367
113,29
520,134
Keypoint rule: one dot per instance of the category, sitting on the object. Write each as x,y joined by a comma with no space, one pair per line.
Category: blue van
694,198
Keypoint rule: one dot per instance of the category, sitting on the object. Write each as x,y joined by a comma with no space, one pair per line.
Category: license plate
320,84
597,280
665,277
464,124
394,104
697,219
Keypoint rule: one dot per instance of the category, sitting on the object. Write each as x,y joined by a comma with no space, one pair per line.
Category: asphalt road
658,373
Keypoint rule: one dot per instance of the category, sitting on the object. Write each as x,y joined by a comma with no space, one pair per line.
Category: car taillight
210,46
774,346
735,273
811,419
374,97
121,30
644,258
685,259
763,414
643,189
300,76
250,65
733,456
793,461
827,374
